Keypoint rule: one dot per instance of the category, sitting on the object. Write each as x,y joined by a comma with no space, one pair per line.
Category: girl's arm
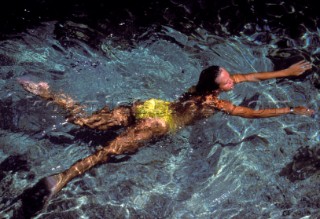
246,112
294,70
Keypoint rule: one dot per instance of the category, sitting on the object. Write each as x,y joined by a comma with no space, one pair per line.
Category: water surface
221,167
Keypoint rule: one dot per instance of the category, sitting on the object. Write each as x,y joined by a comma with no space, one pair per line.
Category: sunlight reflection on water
182,173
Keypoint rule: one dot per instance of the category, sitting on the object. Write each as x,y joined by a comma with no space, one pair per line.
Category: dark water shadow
305,163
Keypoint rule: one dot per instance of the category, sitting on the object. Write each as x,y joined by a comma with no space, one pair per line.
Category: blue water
221,167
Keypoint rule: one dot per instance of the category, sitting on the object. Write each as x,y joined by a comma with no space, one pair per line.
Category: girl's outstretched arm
294,70
246,112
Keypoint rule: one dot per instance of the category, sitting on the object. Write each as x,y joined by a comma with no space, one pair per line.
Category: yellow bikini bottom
155,108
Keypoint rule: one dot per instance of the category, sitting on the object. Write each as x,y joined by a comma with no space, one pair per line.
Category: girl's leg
42,89
129,141
103,119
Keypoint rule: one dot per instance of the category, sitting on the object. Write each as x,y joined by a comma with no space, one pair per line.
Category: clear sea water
221,167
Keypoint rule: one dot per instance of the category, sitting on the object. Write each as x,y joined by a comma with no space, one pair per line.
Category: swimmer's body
152,119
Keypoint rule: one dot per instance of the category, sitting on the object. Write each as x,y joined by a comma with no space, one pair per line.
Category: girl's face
224,80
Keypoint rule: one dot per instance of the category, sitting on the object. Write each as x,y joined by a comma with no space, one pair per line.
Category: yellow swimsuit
155,108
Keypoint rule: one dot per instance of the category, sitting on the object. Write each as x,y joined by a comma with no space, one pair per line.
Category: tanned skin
138,132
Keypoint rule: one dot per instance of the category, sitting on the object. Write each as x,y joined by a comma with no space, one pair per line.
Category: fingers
309,112
301,62
299,68
305,65
300,110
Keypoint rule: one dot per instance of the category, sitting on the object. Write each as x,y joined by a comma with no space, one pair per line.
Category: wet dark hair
207,80
206,84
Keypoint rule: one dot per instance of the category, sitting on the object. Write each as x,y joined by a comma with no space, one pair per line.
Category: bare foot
38,88
36,198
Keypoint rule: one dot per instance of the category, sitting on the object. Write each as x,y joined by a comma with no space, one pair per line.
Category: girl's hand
298,68
301,110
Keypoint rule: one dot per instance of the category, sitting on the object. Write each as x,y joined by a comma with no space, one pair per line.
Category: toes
33,86
36,198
